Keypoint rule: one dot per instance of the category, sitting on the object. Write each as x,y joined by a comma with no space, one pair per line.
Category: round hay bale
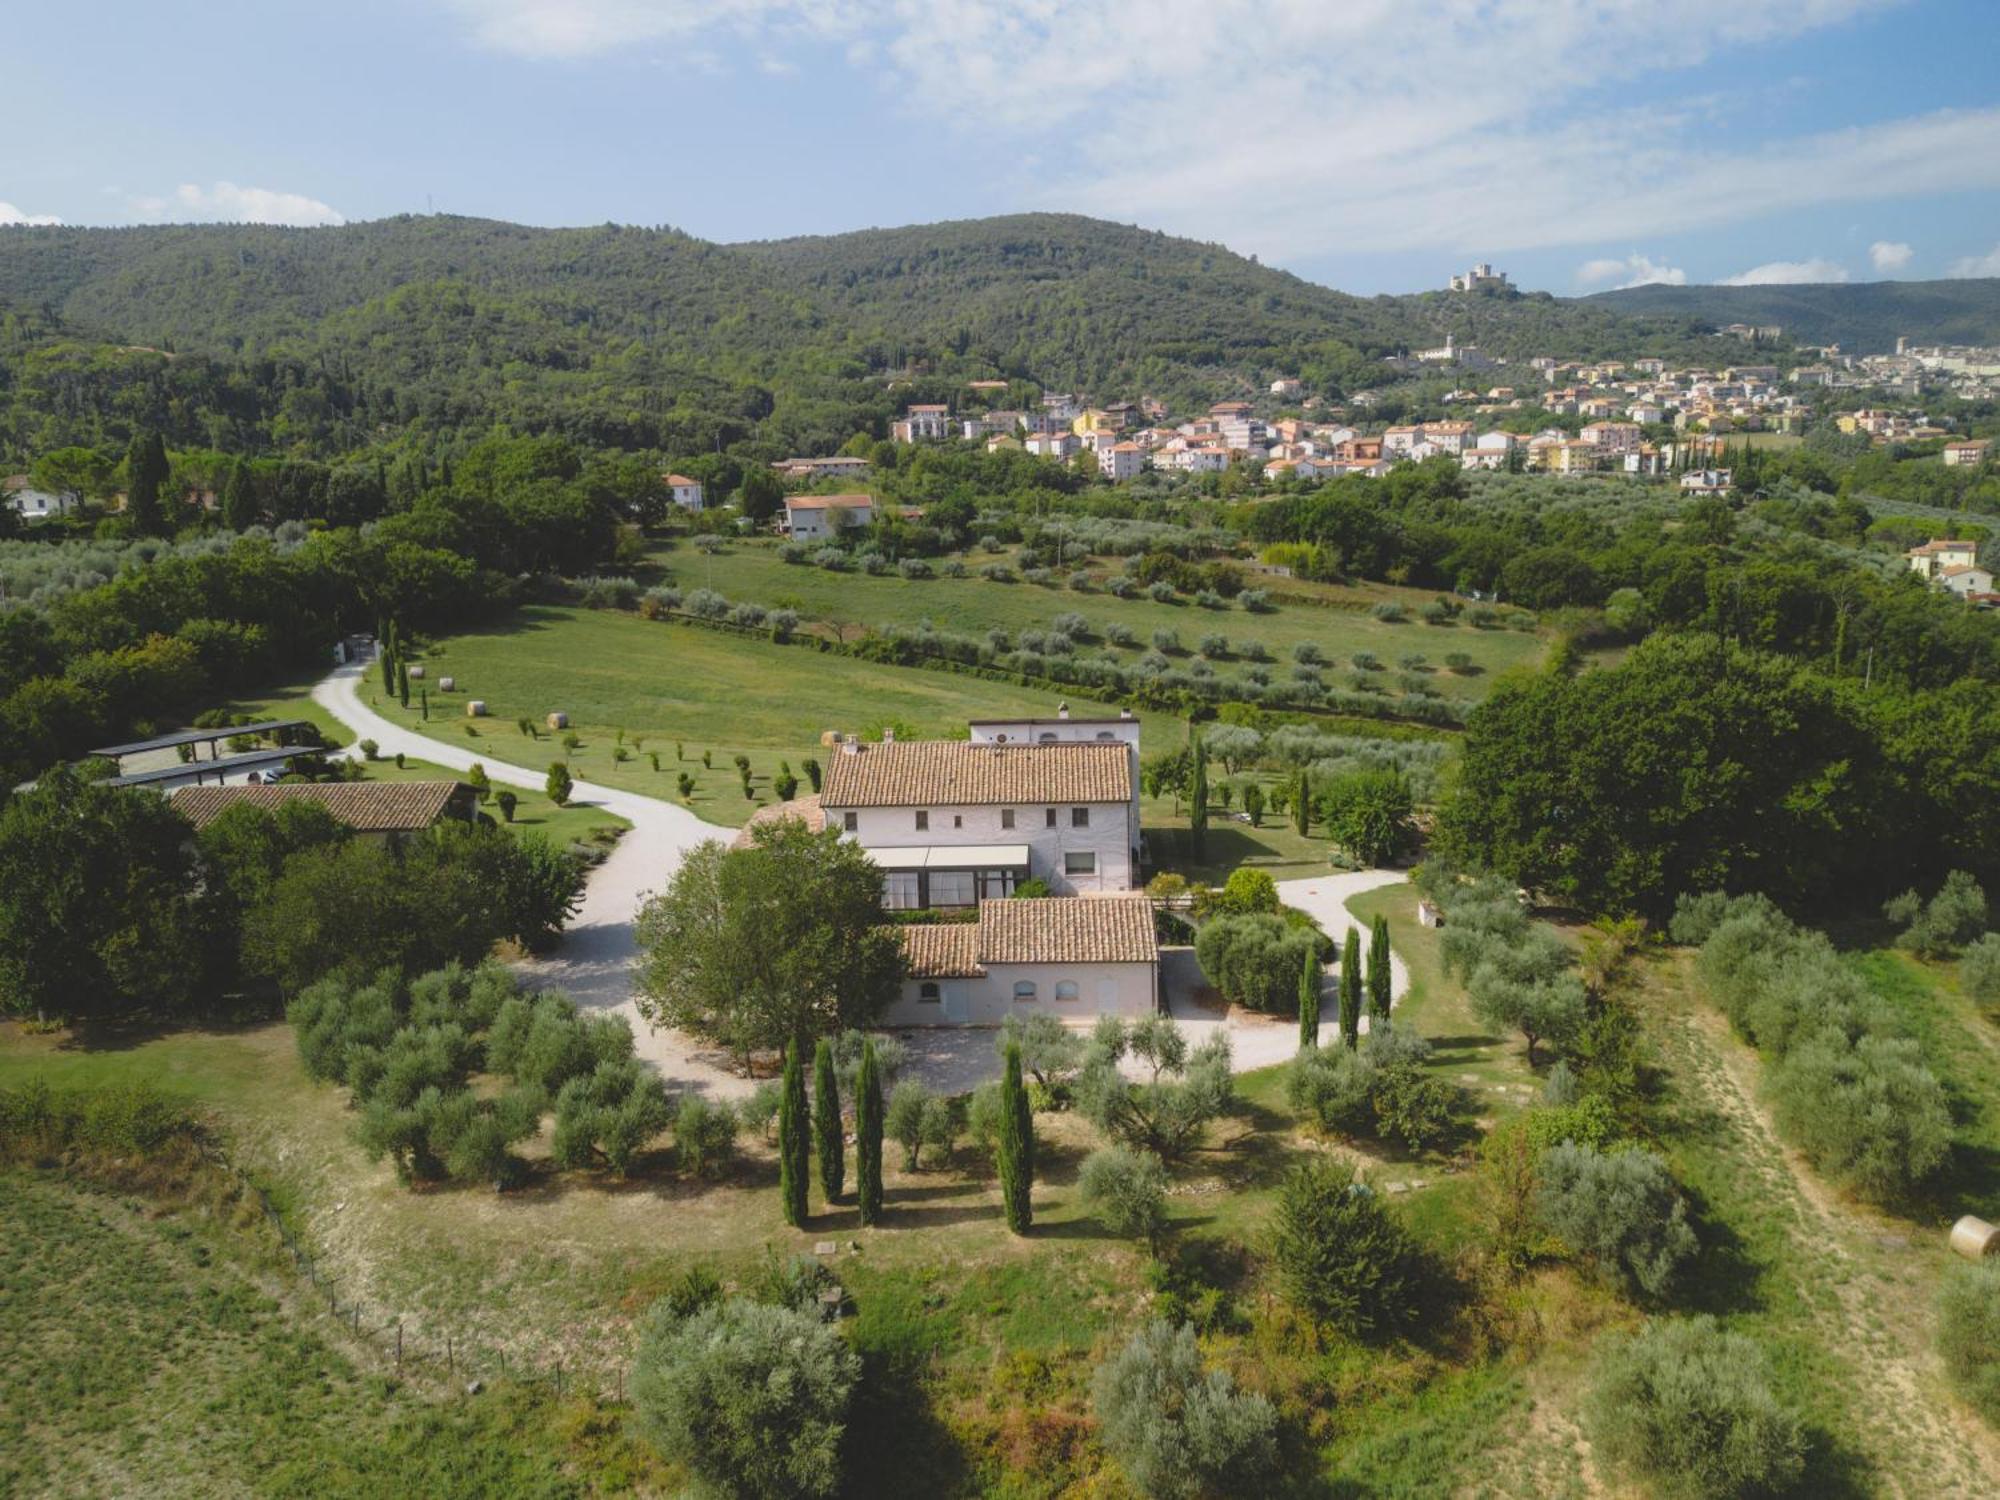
446,684
417,673
475,708
558,721
1975,1239
828,738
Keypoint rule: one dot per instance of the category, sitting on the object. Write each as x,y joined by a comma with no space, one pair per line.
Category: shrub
1344,1258
1071,625
609,1114
832,559
1080,581
953,568
1254,959
507,802
1127,1190
707,604
1213,646
1210,599
705,1133
1167,641
1458,661
1867,1113
1979,969
1178,1431
750,1399
1690,1409
1160,591
1257,601
758,1110
1947,922
1621,1211
914,567
748,615
1390,611
1334,1087
1308,654
1969,1334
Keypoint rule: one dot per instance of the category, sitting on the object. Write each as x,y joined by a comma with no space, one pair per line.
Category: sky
1372,145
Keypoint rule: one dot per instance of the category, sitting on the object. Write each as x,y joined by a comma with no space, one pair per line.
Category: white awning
953,857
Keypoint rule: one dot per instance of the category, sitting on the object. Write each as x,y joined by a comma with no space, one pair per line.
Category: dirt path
1867,1281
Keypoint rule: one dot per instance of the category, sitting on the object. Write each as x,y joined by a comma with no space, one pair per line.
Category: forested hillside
1864,319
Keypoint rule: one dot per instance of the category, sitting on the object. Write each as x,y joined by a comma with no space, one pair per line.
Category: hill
1866,318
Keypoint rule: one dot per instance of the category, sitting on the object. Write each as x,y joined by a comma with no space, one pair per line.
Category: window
1065,989
1046,737
923,821
1079,817
1024,990
957,821
928,993
951,888
1105,734
850,821
1079,862
1052,818
996,885
1006,817
899,890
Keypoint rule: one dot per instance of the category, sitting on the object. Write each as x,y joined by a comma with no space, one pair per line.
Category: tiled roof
367,806
1043,930
942,950
806,809
932,773
822,502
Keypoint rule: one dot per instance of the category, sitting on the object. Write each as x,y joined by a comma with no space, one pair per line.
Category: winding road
596,960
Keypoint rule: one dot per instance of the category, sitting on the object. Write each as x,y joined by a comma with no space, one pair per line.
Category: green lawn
1339,623
678,691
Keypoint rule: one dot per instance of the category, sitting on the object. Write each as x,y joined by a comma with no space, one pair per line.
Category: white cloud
226,203
12,215
1977,265
1788,273
1296,128
1634,270
1889,255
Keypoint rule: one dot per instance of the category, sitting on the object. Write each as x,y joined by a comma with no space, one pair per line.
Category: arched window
1024,989
1065,989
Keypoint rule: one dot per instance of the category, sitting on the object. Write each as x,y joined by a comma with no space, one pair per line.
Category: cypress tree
1350,990
146,470
1378,972
403,682
1198,797
794,1141
1017,1146
388,660
239,501
828,1138
1302,802
1309,994
868,1137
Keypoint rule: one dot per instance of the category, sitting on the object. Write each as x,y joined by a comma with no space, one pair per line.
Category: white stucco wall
1102,989
1112,836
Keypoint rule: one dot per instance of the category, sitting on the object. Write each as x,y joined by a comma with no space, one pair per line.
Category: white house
922,423
1072,957
30,503
833,466
808,517
1966,581
687,492
1121,461
1707,481
1965,455
1935,557
1285,386
952,822
1612,437
1060,445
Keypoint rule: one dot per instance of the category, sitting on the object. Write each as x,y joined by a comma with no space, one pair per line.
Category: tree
1051,1052
239,498
1016,1151
1369,814
559,785
1253,803
1181,1432
1302,802
761,945
609,1114
146,469
1198,797
1622,1211
1255,960
1127,1189
1979,969
1690,1408
479,781
917,1118
794,1141
750,1399
73,474
1343,1257
1867,1112
760,494
868,1137
829,1137
1167,1113
402,682
1379,983
1968,1336
1312,981
97,904
1350,991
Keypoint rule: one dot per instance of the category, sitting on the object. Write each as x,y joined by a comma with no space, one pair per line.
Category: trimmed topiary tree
868,1117
828,1137
1016,1149
794,1141
559,785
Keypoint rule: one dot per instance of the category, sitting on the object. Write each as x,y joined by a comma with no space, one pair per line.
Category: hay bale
828,738
446,684
475,708
417,673
558,721
1975,1239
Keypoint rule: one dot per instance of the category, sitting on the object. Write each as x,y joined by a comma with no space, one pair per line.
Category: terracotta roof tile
931,773
806,809
1045,930
366,806
942,950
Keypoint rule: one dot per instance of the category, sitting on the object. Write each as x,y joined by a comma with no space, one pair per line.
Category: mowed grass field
667,685
1339,622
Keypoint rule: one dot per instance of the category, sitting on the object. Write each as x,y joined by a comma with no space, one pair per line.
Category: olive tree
1167,1112
1179,1431
1621,1210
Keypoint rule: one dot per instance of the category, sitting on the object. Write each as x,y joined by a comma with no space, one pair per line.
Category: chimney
1062,710
849,746
1124,713
888,735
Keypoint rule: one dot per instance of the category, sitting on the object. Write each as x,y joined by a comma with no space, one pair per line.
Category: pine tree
794,1141
1350,991
1302,803
828,1137
868,1137
1309,996
1017,1146
1198,798
239,500
1378,972
146,470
